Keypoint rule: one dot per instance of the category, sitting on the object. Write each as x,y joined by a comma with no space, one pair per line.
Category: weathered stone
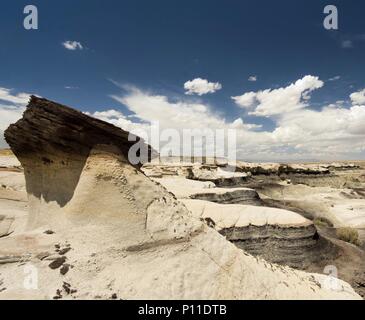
55,264
53,143
64,251
48,128
42,255
64,269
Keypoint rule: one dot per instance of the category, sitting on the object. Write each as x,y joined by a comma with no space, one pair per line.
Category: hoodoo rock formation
118,233
53,143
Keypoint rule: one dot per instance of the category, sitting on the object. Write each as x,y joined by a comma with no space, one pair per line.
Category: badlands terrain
90,225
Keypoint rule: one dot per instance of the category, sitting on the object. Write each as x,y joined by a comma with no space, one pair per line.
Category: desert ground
90,225
328,195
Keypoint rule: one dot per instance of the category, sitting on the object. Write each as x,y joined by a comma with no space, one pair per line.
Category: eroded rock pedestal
125,235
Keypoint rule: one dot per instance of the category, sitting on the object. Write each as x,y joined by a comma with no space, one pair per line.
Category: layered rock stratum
277,235
192,189
98,227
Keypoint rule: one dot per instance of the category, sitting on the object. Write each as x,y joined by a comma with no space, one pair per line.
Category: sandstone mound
116,232
279,236
191,189
342,207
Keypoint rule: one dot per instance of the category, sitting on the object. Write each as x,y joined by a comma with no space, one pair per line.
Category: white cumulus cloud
358,98
333,132
278,101
73,45
330,132
7,95
335,78
347,44
12,106
176,114
201,86
117,118
252,78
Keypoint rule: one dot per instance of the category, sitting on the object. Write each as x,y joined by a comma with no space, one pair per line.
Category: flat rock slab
350,213
57,263
185,188
228,216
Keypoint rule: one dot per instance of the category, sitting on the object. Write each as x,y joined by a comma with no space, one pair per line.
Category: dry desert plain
90,225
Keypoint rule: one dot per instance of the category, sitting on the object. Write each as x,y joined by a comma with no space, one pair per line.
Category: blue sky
157,46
